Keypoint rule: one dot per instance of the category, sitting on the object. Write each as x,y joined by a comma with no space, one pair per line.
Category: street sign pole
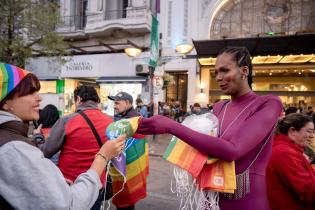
154,56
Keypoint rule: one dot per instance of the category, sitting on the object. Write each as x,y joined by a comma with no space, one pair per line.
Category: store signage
80,66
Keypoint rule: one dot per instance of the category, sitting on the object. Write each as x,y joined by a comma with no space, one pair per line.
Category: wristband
103,156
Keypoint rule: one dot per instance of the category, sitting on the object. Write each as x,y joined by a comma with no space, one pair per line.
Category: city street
68,67
159,196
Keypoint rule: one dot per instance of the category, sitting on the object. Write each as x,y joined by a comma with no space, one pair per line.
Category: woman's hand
113,148
38,129
109,150
38,137
155,125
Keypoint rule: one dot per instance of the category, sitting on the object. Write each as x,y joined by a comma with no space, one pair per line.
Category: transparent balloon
206,123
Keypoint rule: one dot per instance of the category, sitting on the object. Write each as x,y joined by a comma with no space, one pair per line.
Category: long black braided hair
242,58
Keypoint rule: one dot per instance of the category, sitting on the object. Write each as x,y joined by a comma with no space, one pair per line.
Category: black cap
121,96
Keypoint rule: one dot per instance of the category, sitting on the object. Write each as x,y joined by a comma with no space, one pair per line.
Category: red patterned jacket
73,136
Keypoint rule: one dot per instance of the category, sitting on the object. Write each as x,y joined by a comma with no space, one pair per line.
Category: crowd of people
178,113
272,165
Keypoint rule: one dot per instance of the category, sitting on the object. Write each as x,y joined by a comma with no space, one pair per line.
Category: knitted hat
10,77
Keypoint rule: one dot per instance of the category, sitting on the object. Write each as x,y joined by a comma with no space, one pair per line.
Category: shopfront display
108,73
295,87
52,93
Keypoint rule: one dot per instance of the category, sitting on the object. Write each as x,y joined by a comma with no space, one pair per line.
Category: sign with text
80,66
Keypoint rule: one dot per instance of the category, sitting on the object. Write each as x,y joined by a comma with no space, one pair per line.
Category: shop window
177,90
47,87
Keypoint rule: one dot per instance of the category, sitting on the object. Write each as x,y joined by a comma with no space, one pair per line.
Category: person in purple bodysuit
246,124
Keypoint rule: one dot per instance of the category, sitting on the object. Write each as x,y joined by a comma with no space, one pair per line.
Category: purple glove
156,125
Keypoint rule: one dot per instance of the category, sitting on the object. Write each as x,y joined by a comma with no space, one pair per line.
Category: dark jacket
128,114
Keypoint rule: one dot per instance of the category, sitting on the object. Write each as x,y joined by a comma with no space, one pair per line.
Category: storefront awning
133,79
260,46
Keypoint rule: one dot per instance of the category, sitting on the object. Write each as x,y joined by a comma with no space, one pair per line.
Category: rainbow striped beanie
10,77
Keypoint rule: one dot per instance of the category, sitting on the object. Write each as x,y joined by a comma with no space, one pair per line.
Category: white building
98,31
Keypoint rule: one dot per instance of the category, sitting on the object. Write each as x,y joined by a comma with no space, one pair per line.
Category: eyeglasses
310,131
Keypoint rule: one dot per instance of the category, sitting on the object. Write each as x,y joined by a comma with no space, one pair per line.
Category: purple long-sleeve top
241,141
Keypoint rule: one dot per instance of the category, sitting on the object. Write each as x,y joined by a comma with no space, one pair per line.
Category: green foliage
27,28
168,79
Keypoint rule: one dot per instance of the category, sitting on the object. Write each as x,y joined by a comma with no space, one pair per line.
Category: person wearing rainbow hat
27,179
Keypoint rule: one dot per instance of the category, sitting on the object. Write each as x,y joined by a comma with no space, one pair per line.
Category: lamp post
184,48
132,51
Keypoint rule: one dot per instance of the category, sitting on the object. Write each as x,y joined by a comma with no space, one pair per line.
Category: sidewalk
158,145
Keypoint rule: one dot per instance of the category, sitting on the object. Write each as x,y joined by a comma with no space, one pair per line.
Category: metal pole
152,105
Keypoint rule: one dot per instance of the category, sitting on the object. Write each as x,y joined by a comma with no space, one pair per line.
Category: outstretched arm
254,130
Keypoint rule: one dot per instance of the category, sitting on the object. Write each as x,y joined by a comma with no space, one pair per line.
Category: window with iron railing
78,22
115,14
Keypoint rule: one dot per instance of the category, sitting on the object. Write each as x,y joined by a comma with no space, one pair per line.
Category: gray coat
30,181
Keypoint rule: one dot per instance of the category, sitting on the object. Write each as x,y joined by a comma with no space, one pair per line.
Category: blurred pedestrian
310,111
142,109
177,111
194,109
290,176
310,155
137,158
290,110
48,116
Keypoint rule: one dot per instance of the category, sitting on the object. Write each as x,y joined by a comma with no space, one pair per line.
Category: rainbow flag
129,171
137,170
218,176
185,156
10,77
115,129
210,173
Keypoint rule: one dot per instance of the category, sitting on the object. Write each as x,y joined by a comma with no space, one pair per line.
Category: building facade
99,31
289,76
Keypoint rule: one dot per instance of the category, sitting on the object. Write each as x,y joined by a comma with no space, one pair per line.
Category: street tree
27,28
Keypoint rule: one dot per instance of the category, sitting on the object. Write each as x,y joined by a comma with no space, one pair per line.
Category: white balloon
206,123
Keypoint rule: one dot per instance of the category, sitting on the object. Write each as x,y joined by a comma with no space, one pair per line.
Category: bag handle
97,137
